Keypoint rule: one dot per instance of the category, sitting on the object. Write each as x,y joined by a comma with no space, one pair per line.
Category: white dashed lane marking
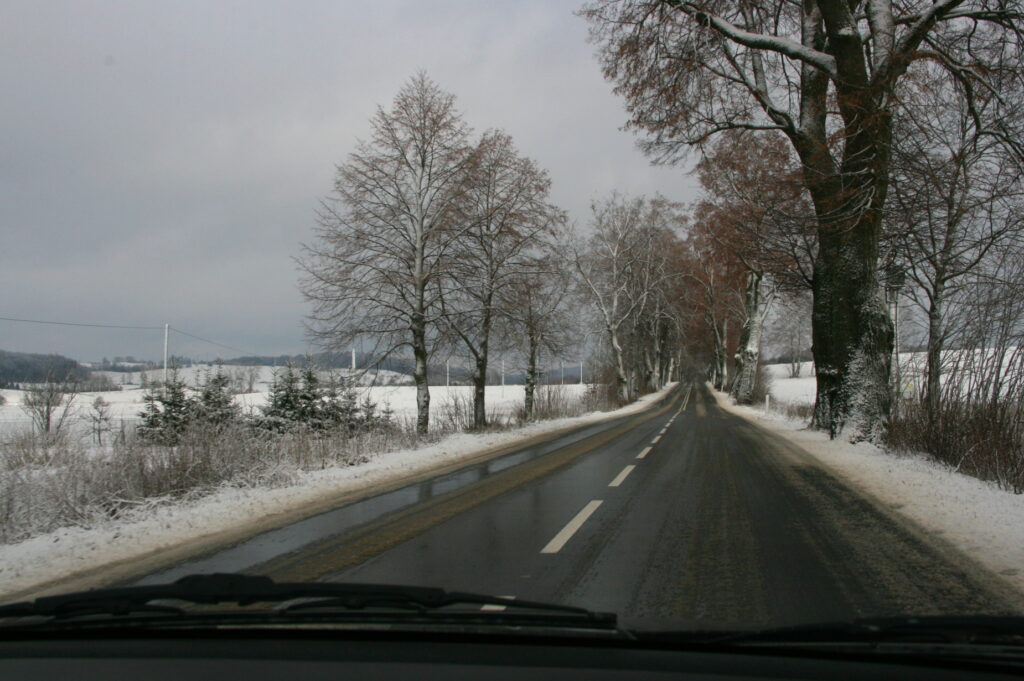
560,539
621,476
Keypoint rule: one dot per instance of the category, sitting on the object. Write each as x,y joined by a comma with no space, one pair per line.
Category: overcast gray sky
162,161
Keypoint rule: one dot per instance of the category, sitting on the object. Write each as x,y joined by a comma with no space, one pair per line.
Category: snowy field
802,389
799,390
383,390
234,513
911,365
977,517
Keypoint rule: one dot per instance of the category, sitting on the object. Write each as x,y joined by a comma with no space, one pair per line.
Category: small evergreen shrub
300,399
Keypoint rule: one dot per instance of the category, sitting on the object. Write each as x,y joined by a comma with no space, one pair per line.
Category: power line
98,326
207,340
128,326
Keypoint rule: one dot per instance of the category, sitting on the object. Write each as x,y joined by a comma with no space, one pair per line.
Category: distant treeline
19,367
23,367
436,370
325,360
130,364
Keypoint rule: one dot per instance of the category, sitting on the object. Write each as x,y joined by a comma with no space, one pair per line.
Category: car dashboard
314,655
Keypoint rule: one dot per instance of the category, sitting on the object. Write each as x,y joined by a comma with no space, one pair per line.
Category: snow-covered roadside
238,512
977,517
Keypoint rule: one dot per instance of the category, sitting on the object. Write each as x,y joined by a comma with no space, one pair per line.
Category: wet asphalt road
718,524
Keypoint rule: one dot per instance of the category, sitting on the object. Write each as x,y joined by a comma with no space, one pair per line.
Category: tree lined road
686,516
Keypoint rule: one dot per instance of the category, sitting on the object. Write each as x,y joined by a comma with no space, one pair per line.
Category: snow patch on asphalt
72,550
984,521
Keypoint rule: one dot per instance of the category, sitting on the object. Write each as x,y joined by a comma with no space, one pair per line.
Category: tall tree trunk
621,380
419,351
654,362
721,373
851,330
933,390
852,333
648,364
748,353
531,371
479,388
480,377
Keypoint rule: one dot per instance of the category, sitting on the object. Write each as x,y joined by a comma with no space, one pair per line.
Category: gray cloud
162,161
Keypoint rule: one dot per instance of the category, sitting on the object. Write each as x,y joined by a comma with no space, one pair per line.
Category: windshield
707,315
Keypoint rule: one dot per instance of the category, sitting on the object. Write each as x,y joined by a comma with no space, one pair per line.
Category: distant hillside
23,367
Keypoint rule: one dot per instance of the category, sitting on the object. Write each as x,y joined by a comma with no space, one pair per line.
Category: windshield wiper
293,599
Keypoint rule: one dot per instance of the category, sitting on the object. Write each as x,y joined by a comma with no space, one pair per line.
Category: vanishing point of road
683,516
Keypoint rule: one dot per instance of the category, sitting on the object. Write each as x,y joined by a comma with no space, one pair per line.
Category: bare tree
505,210
826,74
753,190
980,422
717,284
535,316
790,328
384,232
754,208
623,266
956,195
652,338
49,404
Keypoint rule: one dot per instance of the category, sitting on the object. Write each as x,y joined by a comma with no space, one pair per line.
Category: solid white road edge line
560,539
621,476
644,453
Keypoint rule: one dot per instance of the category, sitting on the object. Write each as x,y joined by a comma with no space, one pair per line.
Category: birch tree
384,232
826,74
622,267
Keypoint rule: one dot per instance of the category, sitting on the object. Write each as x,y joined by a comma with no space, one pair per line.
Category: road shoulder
959,514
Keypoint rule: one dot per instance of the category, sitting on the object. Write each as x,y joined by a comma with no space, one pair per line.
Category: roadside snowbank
977,517
161,528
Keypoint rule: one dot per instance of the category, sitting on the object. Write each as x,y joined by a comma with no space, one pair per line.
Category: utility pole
353,359
581,372
447,373
561,364
503,376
